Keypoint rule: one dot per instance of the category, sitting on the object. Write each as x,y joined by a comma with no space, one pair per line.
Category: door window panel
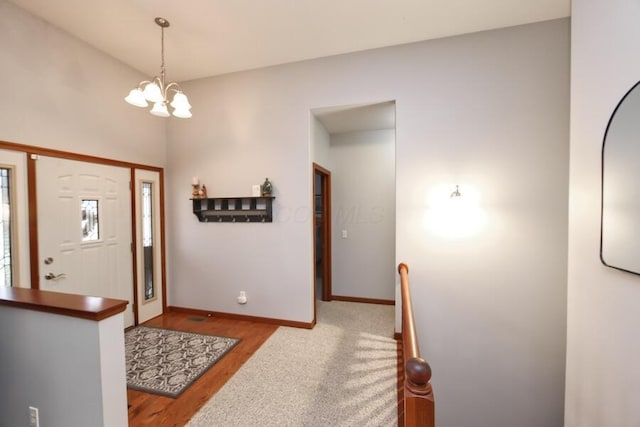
90,220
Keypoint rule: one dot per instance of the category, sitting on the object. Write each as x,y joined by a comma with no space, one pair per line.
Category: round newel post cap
418,375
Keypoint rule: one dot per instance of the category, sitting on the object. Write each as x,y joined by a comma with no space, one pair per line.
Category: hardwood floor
154,410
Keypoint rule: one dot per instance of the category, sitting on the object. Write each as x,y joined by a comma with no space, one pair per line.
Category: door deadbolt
48,260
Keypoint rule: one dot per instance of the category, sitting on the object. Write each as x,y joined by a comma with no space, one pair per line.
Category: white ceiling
352,118
210,37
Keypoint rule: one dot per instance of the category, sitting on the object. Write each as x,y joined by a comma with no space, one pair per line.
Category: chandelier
157,92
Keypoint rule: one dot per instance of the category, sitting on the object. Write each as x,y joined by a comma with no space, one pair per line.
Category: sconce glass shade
160,109
136,98
180,101
153,93
454,215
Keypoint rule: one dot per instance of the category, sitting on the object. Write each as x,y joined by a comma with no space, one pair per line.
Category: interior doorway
322,232
358,143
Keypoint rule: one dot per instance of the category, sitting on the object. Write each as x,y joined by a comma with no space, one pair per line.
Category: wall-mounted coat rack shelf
234,209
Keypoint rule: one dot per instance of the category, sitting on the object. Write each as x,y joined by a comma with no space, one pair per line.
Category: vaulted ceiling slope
211,37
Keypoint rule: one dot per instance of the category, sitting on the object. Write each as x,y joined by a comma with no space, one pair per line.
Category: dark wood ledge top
91,308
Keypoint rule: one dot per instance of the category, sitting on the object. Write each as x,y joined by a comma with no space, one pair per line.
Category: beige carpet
341,373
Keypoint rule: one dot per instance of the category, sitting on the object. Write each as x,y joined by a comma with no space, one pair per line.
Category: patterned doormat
166,362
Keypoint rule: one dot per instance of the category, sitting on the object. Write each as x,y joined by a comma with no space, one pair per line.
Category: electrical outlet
242,298
34,419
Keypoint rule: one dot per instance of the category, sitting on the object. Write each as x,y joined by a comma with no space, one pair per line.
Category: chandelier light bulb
152,93
180,101
160,109
136,98
182,113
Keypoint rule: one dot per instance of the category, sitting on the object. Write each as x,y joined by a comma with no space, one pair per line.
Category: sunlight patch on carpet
166,362
341,373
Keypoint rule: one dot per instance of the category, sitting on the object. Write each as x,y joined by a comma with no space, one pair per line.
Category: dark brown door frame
32,152
325,223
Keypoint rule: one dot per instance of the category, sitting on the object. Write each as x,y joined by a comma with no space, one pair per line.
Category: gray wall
486,110
363,204
60,93
603,349
320,144
71,369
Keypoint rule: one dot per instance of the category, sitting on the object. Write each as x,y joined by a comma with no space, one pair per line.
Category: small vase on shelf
266,188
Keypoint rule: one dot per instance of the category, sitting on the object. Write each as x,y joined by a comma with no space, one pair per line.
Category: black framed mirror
620,216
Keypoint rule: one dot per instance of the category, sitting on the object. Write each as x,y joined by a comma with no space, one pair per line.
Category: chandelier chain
162,52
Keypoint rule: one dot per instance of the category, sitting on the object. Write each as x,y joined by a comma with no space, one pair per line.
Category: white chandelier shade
160,109
157,92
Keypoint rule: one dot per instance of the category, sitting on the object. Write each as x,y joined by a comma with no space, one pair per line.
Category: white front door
149,245
84,229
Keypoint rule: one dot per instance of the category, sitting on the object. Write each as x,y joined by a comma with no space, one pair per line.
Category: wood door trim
163,264
30,150
49,152
134,246
325,175
34,265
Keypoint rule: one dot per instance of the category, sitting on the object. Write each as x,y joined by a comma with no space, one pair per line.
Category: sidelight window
6,228
147,240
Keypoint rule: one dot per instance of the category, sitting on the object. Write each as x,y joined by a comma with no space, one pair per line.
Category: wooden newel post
418,394
418,376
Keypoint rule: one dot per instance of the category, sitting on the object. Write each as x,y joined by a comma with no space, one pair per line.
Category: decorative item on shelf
203,192
255,190
195,183
266,188
157,92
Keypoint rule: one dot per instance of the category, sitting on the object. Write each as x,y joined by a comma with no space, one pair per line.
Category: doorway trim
325,184
30,151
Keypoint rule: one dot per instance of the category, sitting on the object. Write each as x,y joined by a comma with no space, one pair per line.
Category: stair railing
418,402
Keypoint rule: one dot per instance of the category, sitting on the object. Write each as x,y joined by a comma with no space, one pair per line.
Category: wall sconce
455,216
456,193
